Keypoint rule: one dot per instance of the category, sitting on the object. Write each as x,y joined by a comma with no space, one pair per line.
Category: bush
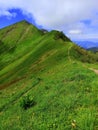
27,102
61,35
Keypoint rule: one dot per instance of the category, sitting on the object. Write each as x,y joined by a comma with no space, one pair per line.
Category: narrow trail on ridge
95,70
92,69
69,53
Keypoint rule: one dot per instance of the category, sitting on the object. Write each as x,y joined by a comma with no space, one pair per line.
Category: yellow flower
73,124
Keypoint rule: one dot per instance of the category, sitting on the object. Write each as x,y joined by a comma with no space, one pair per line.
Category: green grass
50,71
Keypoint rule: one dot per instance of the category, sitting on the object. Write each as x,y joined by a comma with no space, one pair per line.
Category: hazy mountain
93,49
87,44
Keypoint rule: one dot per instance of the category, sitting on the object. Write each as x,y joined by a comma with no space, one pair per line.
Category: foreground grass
64,93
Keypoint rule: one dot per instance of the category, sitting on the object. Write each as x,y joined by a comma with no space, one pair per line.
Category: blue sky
78,19
19,16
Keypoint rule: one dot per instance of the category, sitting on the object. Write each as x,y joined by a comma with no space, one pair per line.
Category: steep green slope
14,41
47,74
28,52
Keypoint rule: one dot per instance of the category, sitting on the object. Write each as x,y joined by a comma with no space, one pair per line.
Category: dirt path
95,70
69,53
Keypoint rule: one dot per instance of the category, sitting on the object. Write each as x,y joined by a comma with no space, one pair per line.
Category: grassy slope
48,70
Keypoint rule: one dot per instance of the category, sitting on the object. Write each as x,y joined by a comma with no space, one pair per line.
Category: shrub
27,102
61,35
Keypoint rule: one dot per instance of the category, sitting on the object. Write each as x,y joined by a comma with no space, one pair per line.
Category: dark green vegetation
46,81
27,102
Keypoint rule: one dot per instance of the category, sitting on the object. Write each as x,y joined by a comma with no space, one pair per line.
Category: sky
78,19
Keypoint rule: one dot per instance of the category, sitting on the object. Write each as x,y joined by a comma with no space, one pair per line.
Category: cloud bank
65,15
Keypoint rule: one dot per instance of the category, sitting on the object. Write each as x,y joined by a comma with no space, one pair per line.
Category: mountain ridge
47,79
32,41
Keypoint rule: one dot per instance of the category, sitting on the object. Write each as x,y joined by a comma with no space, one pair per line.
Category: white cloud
7,13
89,37
54,14
75,31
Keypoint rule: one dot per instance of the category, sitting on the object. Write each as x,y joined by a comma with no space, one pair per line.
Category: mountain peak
23,21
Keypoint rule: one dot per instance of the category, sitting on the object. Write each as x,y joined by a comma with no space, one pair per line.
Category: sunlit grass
64,89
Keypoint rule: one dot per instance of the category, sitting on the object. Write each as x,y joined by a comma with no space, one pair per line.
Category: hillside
46,81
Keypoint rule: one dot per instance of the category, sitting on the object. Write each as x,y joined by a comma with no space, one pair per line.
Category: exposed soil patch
10,83
4,107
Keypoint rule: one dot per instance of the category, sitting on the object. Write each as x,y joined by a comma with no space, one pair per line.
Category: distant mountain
87,44
93,49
